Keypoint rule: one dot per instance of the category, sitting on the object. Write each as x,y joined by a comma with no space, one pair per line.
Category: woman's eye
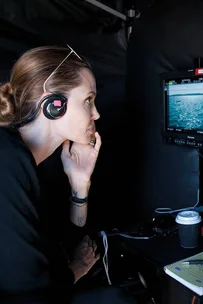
88,101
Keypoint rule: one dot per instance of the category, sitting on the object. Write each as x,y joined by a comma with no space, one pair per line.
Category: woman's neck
39,140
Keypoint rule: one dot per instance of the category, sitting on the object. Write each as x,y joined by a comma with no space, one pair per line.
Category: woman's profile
48,102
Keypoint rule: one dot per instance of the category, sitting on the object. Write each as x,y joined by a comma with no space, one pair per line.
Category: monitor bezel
185,134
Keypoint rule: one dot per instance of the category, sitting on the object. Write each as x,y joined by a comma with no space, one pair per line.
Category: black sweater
27,264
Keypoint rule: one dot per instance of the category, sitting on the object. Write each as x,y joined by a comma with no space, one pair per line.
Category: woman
48,102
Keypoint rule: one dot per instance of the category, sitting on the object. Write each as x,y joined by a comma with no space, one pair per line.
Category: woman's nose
95,114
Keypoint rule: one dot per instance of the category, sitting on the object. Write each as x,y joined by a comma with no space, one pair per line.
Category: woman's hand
84,258
79,163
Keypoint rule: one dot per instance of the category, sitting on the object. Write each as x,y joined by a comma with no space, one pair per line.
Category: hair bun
7,105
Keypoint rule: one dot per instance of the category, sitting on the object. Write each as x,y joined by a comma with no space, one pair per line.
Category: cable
136,237
129,235
105,257
170,211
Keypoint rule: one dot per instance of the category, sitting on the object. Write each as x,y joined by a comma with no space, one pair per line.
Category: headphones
55,106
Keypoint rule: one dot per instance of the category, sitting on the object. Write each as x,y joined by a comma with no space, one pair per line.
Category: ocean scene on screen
185,106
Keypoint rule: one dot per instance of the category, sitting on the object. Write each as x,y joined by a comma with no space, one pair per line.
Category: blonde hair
19,96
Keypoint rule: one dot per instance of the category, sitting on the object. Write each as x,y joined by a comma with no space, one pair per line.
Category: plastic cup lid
188,217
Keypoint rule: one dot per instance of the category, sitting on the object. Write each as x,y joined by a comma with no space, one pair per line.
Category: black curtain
165,38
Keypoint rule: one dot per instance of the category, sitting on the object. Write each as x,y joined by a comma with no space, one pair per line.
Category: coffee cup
189,227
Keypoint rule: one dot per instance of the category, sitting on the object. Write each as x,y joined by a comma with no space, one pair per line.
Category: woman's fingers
86,238
94,246
88,248
97,145
97,256
89,242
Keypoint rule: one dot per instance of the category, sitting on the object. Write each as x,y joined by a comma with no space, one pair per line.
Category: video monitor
182,96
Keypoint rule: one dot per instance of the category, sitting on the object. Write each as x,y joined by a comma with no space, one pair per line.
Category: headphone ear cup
55,106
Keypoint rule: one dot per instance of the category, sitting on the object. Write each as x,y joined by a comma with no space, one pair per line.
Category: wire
105,257
170,211
136,237
129,235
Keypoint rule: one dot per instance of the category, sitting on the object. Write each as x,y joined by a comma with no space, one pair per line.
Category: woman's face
78,124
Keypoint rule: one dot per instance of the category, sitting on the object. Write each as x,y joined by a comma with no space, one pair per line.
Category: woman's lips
92,134
92,131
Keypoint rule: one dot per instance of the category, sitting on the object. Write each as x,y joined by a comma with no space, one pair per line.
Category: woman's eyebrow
92,93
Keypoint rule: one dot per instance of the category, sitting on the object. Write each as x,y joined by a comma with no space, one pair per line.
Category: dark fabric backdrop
166,38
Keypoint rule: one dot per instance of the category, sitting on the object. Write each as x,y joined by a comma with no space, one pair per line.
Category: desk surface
162,250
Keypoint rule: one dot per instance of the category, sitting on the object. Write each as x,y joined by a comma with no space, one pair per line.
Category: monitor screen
183,109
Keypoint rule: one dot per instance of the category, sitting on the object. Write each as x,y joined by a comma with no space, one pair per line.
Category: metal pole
108,9
131,15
